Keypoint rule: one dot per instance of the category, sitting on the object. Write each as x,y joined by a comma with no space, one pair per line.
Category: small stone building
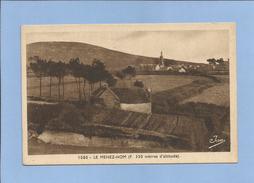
130,99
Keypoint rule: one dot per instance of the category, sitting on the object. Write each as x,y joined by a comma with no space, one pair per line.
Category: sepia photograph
129,93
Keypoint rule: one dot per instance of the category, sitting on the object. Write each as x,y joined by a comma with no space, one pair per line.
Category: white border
193,157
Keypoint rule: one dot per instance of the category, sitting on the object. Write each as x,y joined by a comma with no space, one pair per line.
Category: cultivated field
187,107
218,94
161,82
70,88
155,82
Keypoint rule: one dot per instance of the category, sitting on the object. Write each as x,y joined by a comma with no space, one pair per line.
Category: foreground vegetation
170,131
82,73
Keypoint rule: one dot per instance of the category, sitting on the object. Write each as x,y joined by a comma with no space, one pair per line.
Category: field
70,88
156,83
185,108
218,95
159,83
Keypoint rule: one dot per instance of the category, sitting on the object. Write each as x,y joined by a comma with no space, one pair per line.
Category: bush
111,81
39,114
139,83
130,70
66,117
69,119
120,75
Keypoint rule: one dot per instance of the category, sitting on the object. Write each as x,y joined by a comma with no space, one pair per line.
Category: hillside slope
64,51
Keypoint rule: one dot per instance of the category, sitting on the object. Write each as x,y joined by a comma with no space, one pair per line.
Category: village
215,66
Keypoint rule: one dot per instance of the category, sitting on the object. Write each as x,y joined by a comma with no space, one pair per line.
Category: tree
76,71
60,71
51,73
64,72
120,75
211,61
220,61
92,78
97,73
85,71
99,69
39,67
139,83
110,80
130,70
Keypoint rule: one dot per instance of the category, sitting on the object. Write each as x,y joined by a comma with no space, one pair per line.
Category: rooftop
132,95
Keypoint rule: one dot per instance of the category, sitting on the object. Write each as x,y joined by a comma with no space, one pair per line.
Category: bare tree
39,67
75,68
50,74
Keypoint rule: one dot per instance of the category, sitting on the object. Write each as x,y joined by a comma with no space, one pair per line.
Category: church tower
161,59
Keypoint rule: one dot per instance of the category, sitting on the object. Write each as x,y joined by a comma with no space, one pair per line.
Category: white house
182,70
130,99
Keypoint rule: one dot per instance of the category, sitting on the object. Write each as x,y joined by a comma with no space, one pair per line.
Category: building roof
133,95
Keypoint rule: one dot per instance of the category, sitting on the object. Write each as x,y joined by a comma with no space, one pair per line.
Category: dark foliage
139,83
129,70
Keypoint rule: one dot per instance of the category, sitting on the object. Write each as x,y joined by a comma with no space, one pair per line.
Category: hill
64,51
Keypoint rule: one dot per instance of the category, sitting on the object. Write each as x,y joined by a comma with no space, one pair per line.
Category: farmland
218,95
198,104
70,88
156,82
159,83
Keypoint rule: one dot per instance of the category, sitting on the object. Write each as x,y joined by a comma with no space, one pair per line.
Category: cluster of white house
162,66
138,99
184,67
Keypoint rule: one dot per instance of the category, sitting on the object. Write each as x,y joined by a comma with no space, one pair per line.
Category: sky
185,45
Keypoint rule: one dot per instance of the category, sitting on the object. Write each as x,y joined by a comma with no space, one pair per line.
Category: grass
161,82
70,88
180,132
218,95
202,99
195,97
156,82
36,147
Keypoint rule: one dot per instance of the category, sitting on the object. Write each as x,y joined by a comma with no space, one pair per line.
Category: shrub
39,114
69,119
120,75
139,83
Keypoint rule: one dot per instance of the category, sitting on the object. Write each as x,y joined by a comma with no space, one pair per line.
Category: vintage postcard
129,93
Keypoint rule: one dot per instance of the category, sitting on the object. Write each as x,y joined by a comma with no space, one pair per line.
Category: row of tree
214,61
83,74
129,71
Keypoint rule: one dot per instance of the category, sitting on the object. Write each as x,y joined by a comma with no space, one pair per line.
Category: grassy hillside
176,131
64,51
